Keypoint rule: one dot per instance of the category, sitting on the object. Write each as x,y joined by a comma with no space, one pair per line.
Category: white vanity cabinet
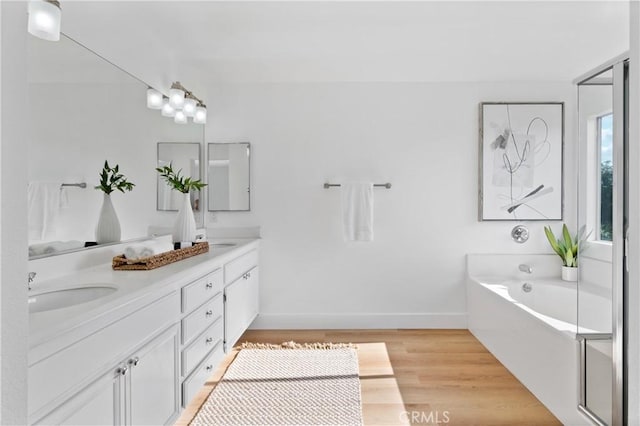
241,296
141,387
139,361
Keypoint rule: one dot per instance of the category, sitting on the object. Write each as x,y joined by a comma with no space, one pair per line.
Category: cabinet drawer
201,318
192,355
194,383
199,291
234,269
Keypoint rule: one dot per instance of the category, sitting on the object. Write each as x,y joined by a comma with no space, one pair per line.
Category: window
605,187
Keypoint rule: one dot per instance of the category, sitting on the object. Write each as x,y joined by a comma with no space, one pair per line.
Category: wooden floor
419,377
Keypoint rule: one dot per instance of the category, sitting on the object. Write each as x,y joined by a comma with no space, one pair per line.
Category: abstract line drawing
521,158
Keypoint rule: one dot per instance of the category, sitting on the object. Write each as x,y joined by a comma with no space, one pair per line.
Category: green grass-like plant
180,183
111,179
567,246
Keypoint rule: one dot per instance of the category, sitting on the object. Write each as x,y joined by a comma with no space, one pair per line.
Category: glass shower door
601,207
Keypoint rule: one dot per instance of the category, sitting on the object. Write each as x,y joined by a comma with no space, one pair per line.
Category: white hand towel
147,249
43,208
357,211
54,247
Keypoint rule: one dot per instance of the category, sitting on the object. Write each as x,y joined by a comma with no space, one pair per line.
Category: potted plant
567,248
108,228
184,230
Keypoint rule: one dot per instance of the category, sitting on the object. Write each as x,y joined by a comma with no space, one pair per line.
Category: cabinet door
241,306
153,382
97,404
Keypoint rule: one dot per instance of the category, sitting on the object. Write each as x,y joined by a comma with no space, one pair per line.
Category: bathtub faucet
525,268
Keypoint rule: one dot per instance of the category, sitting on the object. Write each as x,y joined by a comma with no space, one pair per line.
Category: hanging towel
43,203
357,211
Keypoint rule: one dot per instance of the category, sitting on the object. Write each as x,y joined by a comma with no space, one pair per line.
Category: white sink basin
223,245
64,298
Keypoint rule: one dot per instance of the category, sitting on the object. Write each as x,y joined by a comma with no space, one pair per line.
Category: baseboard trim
358,321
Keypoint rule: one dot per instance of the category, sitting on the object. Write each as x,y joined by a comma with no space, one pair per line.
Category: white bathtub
532,333
554,302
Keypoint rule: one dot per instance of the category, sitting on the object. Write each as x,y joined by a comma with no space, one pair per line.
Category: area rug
287,384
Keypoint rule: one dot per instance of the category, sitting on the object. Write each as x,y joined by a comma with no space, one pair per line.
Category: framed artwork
521,161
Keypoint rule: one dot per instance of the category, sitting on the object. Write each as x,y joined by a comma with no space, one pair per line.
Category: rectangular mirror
183,157
82,111
228,177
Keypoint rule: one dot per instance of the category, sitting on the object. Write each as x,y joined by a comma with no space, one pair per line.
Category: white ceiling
199,42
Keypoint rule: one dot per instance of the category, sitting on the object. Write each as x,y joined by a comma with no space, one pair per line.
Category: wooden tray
120,263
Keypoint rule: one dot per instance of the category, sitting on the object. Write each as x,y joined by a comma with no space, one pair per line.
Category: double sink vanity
133,347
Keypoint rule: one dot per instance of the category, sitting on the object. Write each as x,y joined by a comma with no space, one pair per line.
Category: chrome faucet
525,268
32,276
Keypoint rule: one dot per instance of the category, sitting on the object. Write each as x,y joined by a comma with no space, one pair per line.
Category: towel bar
330,185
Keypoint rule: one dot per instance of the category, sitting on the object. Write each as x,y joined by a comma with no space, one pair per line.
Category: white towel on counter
54,247
357,211
146,249
44,200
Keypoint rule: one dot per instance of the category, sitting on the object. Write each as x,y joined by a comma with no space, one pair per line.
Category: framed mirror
228,177
185,158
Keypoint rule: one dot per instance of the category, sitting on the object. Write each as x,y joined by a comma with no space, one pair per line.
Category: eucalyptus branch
178,182
111,179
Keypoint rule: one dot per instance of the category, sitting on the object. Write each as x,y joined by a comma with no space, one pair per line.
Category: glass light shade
180,117
189,107
154,99
44,20
167,109
200,116
176,98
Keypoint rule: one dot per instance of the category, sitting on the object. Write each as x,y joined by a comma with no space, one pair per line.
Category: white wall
14,322
421,137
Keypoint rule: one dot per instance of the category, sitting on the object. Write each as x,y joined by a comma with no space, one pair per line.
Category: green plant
183,184
111,179
565,247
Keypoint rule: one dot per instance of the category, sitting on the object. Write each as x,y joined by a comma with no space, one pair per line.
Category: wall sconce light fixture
44,19
180,104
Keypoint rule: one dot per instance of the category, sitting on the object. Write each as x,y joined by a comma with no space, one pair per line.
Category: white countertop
53,330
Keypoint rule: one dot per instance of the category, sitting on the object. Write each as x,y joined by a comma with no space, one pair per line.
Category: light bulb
200,116
154,99
189,106
176,95
180,117
167,109
44,19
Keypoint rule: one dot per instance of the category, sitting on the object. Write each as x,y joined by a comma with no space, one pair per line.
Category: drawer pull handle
245,276
122,371
209,340
209,286
134,361
209,367
248,274
209,313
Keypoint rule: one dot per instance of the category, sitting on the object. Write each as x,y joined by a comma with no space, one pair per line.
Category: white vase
184,229
569,274
108,229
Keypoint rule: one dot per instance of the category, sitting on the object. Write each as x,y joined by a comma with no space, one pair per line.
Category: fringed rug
288,384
